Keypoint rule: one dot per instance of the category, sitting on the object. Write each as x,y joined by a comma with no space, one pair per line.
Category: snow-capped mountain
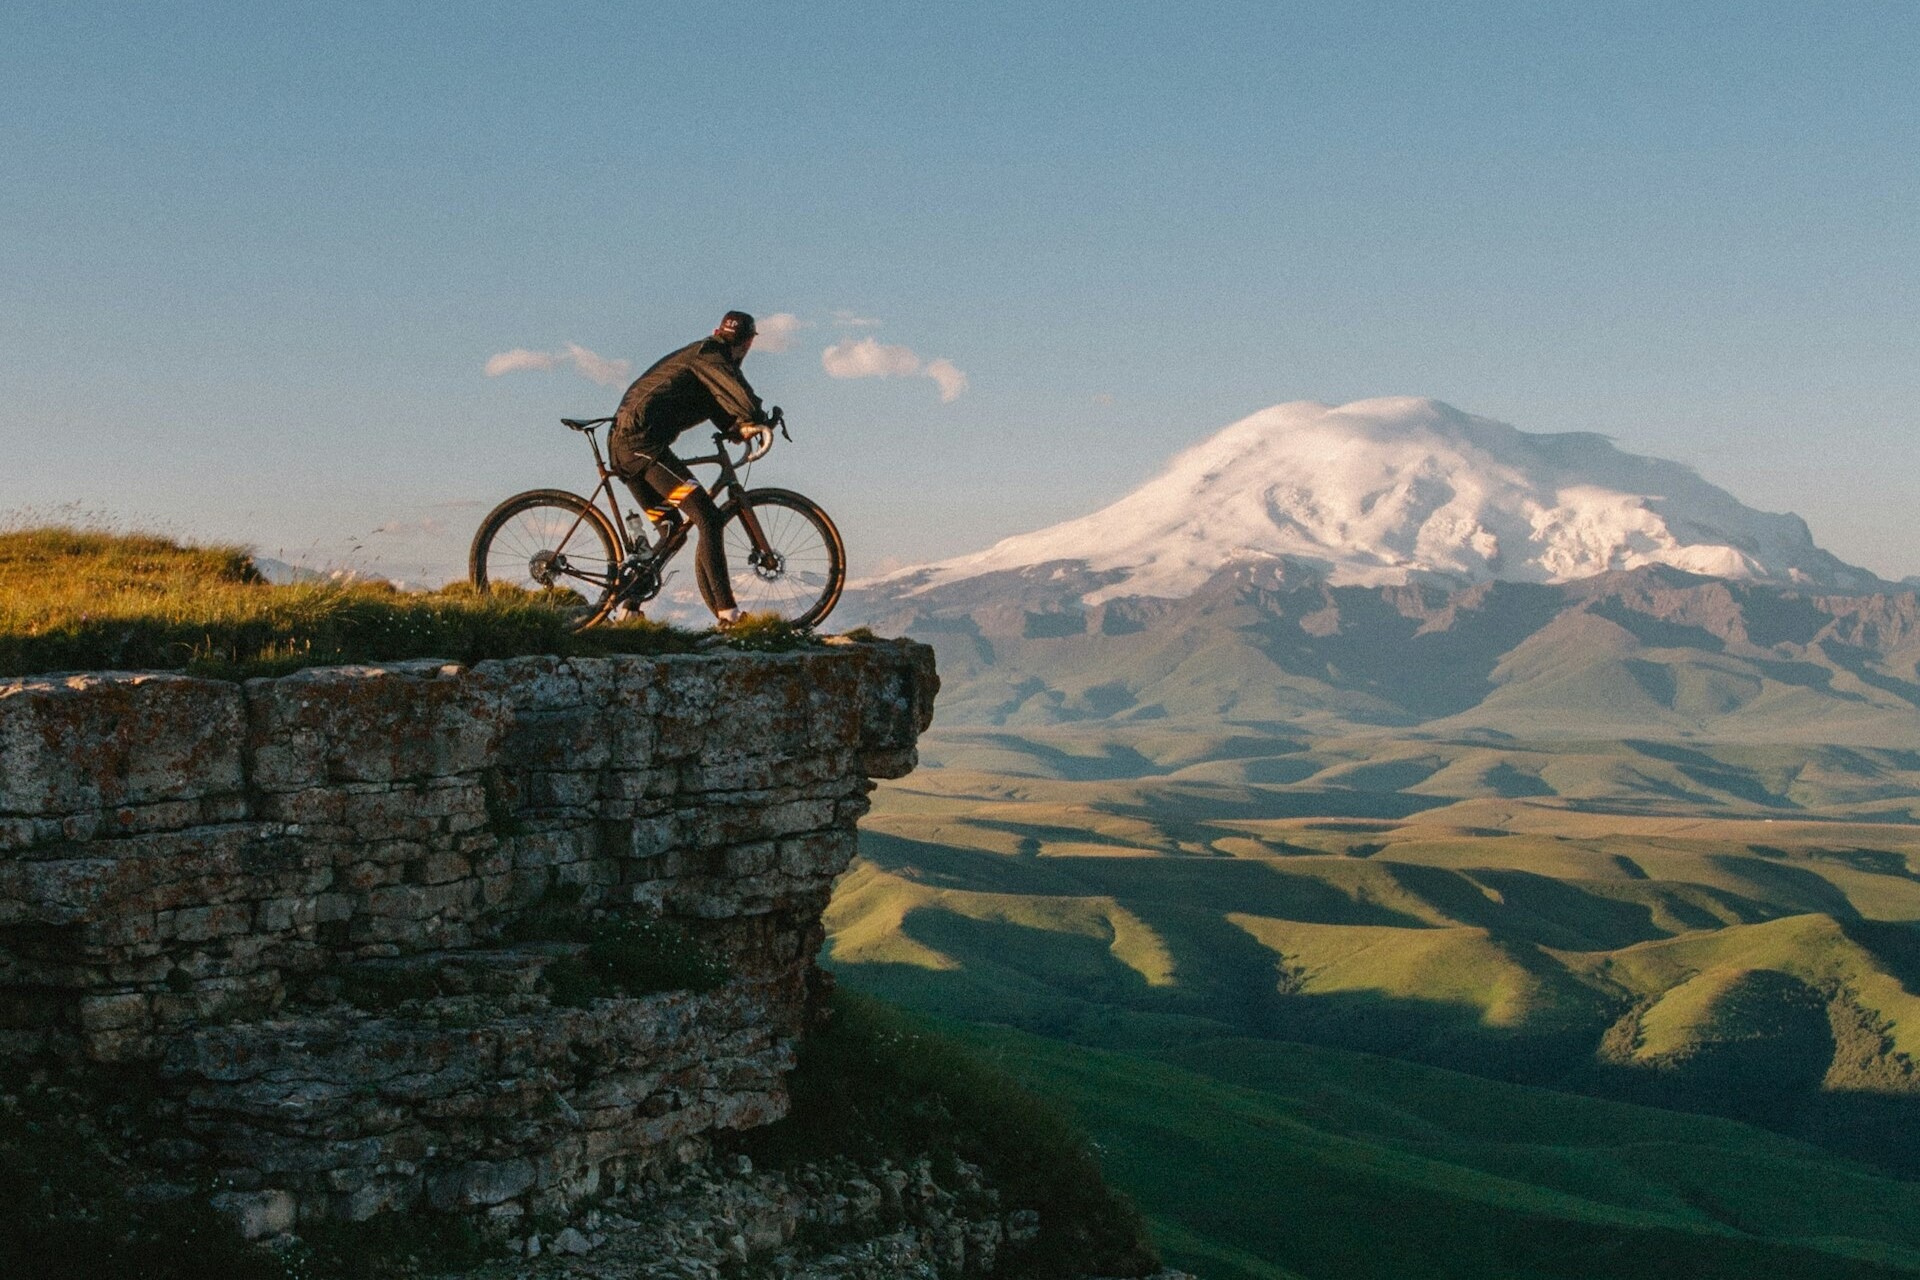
1382,491
281,574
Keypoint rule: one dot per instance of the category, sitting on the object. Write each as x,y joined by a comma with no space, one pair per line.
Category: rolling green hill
1614,953
1710,929
1257,1160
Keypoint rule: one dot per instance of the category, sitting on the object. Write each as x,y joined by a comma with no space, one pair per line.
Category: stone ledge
191,869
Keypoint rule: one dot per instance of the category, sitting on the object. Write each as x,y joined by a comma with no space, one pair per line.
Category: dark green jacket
698,383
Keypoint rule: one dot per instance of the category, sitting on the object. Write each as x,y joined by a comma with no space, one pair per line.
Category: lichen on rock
293,908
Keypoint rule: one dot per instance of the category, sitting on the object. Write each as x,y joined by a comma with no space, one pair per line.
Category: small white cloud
1103,398
590,365
777,331
517,359
599,368
952,381
871,358
854,320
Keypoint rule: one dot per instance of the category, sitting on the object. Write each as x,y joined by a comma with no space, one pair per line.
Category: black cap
735,326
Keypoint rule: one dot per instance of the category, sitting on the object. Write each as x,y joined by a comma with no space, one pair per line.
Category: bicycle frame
727,483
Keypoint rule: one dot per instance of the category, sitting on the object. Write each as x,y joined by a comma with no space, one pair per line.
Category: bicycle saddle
581,424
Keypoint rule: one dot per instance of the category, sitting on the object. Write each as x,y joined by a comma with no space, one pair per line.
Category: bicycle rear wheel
553,545
799,572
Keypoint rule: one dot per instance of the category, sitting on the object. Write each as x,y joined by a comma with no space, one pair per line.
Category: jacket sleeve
729,389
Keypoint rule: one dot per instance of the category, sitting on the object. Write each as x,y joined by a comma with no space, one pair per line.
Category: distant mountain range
1399,563
282,574
1394,730
1405,489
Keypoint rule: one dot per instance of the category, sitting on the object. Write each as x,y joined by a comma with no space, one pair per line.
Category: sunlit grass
78,599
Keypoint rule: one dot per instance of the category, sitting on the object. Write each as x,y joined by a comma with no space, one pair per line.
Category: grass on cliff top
76,599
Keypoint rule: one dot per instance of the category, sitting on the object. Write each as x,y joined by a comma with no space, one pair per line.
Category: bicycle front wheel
783,556
550,544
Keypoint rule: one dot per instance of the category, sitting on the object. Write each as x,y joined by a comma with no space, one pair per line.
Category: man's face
741,348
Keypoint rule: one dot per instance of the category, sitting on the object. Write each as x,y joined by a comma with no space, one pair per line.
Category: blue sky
255,258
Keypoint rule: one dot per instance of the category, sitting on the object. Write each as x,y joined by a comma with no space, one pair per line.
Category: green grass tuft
767,633
627,954
633,956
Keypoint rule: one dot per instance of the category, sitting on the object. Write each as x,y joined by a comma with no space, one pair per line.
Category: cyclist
701,382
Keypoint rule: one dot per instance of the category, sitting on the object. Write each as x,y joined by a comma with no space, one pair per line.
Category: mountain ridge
1397,489
1423,577
1649,651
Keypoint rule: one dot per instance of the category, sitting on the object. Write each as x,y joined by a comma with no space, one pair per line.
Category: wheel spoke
799,579
548,544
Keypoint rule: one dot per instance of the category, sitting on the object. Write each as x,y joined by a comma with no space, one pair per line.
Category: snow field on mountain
1379,491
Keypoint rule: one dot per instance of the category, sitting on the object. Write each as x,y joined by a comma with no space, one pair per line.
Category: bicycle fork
763,554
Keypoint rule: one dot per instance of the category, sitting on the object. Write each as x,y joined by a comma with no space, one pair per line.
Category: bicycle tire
580,547
805,580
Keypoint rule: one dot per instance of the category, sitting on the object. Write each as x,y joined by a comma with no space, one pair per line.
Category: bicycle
784,554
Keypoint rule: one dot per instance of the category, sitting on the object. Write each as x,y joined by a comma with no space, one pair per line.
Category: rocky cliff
490,939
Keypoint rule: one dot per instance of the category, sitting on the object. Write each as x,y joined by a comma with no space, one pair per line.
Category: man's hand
758,440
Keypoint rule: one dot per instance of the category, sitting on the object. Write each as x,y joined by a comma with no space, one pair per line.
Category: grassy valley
1376,953
1257,1160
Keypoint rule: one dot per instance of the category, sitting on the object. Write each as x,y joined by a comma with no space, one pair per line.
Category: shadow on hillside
1330,802
1895,945
1714,774
1433,664
1115,762
1036,834
1509,783
1812,1065
1793,890
972,870
1075,965
1532,908
1769,1074
1857,663
1657,633
1512,905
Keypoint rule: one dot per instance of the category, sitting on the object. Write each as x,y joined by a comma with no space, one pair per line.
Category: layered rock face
298,907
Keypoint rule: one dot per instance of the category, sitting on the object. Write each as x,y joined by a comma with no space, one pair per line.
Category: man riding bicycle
701,382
